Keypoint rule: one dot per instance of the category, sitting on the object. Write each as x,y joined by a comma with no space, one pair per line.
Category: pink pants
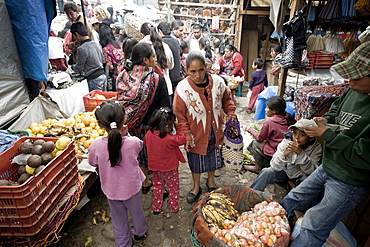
169,180
255,91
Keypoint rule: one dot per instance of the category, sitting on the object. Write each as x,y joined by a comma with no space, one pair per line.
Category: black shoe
192,197
145,189
210,189
139,238
156,213
249,112
165,195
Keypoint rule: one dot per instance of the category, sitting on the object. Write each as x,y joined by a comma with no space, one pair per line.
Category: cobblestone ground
166,229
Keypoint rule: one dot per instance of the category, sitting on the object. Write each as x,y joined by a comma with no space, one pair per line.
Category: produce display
82,129
34,157
219,210
260,227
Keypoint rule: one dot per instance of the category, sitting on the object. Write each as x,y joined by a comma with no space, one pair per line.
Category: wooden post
282,82
239,27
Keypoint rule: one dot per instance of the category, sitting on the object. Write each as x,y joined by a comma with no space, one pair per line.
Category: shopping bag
232,149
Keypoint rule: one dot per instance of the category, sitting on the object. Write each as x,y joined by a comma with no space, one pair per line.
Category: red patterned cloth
315,101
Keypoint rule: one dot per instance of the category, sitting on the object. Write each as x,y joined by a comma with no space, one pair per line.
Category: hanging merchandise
365,35
215,23
277,13
350,44
332,10
363,7
315,42
347,8
294,42
333,43
312,14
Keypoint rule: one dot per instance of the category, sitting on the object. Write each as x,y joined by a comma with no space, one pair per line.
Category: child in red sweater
163,157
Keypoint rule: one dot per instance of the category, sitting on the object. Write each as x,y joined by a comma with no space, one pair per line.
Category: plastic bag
41,108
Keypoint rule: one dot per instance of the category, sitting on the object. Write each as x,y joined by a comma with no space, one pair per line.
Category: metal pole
83,12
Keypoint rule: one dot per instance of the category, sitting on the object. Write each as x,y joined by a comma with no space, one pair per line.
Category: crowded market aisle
165,229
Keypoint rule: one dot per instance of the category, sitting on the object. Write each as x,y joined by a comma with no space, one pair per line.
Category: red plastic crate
24,209
90,103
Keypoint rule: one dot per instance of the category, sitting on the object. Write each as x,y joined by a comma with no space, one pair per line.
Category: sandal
217,173
145,189
192,197
210,189
253,169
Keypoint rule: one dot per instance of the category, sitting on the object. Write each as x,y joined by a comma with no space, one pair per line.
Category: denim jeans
325,201
268,176
99,83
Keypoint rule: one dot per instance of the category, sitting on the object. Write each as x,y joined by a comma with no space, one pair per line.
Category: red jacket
271,133
164,153
238,64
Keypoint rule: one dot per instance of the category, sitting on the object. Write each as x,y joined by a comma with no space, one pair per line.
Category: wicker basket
232,149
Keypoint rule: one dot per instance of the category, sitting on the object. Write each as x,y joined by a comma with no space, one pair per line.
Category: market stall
70,99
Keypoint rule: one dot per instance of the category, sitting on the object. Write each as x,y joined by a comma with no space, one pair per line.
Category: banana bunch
218,209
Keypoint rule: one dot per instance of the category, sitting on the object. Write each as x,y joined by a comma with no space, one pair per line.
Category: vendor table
70,99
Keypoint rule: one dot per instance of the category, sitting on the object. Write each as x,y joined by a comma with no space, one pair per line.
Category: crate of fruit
35,174
239,216
96,97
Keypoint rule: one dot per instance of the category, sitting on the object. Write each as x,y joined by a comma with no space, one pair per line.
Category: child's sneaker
156,213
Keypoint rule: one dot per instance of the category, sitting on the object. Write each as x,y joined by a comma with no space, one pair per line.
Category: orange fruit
82,140
86,120
87,143
35,129
68,122
33,125
46,123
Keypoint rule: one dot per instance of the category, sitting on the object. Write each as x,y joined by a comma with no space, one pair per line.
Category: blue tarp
31,20
261,103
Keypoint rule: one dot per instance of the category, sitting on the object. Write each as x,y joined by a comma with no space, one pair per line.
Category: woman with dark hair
276,56
211,60
163,53
198,104
231,63
141,91
113,53
127,46
270,135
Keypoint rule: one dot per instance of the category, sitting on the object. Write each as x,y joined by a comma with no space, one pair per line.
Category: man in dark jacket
164,30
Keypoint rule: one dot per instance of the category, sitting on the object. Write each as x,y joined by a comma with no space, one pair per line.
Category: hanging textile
312,14
350,43
277,13
332,10
294,42
333,43
363,7
365,35
347,8
316,42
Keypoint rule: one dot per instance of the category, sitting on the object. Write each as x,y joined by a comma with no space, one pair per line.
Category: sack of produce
239,216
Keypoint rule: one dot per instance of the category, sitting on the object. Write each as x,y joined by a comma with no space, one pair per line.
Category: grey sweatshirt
295,165
89,58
